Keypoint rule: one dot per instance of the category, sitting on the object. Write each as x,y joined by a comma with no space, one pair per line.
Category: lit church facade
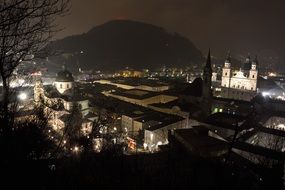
59,100
242,84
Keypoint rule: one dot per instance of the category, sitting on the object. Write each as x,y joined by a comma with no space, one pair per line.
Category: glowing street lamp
22,96
76,149
145,146
264,94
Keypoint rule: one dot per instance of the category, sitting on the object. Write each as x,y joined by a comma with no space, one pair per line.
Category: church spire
208,62
254,63
247,60
207,74
64,66
255,60
228,60
229,57
207,83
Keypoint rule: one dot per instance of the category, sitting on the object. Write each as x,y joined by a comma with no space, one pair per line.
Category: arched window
253,76
60,85
226,74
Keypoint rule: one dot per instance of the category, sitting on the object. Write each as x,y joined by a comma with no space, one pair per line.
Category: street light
264,94
76,149
144,146
22,96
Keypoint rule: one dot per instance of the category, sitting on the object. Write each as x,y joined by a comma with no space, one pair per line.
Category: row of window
239,87
237,93
61,86
253,76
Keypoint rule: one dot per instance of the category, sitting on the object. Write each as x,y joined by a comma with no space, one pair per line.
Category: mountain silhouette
123,43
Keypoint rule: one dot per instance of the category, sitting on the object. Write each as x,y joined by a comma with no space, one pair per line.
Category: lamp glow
22,96
265,94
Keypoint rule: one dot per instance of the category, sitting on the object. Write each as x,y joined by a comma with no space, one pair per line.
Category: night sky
255,26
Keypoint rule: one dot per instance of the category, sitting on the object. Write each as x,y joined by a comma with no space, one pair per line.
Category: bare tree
26,26
29,139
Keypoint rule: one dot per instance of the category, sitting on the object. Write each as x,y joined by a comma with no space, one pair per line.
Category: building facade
59,100
242,84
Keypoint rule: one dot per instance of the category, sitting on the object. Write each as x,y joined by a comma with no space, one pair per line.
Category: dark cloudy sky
256,26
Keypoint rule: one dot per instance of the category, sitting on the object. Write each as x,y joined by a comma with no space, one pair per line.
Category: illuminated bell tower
226,75
253,74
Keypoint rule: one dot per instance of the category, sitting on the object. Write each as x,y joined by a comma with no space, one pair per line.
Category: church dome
247,64
64,76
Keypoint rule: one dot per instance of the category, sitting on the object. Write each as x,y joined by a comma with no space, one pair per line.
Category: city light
76,149
265,94
22,96
145,146
281,126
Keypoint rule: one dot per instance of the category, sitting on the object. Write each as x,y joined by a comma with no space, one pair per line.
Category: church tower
207,84
226,75
253,74
64,80
207,77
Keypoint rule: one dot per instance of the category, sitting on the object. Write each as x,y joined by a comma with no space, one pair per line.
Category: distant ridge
123,43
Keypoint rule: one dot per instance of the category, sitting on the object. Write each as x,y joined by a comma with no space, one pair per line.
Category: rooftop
158,120
194,88
138,82
225,120
69,95
136,94
198,142
64,76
